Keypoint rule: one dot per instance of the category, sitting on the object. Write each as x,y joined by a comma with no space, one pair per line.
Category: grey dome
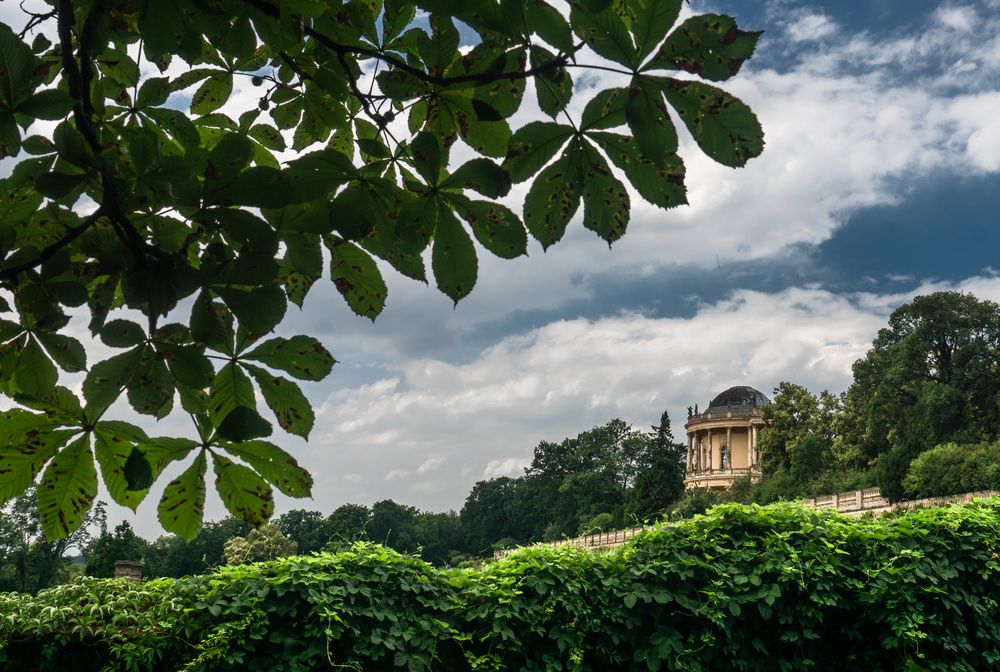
741,395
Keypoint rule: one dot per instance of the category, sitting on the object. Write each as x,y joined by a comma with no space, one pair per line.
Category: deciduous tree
184,216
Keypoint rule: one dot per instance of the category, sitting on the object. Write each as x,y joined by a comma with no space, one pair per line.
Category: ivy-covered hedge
740,588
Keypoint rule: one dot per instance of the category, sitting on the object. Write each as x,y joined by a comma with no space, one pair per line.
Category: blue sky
879,181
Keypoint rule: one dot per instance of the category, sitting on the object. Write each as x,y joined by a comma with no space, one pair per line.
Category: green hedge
740,588
952,468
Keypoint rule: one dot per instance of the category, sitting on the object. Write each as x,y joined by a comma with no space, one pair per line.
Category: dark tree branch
78,79
9,275
37,18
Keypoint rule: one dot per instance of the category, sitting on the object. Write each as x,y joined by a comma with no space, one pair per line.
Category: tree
659,480
175,556
263,543
106,549
198,223
28,560
794,415
929,378
308,529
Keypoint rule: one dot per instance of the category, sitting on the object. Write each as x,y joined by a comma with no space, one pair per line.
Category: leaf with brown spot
554,198
357,278
67,489
302,357
278,467
453,256
605,200
708,45
182,505
292,410
246,495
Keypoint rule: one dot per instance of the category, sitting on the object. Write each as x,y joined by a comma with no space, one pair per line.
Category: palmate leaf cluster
740,588
145,196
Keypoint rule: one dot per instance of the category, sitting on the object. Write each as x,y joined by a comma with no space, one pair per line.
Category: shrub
779,587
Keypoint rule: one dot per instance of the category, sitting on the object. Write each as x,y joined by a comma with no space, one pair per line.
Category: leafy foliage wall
741,588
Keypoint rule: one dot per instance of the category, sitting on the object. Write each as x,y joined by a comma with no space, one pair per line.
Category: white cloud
961,19
509,466
430,464
397,475
810,26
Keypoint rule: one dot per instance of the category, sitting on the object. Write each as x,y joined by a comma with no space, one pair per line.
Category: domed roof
741,395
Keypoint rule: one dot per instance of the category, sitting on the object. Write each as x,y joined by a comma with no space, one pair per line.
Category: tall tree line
606,477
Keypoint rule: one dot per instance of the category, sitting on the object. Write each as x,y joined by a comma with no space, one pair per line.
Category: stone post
128,571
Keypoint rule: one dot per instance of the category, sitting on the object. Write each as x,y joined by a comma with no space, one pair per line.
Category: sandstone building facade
722,440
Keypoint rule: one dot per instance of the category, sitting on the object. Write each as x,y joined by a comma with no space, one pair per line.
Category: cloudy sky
879,182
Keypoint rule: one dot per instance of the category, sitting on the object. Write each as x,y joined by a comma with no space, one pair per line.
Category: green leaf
605,110
212,324
428,156
153,92
453,257
114,442
647,118
16,65
138,472
302,357
50,104
549,24
268,136
659,182
35,374
27,442
231,389
290,407
481,175
106,379
400,85
722,125
67,489
553,88
532,146
553,199
38,145
495,227
605,33
9,330
213,93
605,200
151,388
357,278
10,134
67,352
649,21
122,334
258,310
244,423
182,505
189,365
278,467
709,45
246,495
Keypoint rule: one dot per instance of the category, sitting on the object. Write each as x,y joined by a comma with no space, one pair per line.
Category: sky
878,182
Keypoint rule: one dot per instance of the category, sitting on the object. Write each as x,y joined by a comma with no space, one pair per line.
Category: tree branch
9,275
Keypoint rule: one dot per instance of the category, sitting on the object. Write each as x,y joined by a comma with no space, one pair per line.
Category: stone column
690,450
709,460
729,447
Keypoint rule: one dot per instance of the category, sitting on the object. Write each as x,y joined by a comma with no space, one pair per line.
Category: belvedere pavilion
722,440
